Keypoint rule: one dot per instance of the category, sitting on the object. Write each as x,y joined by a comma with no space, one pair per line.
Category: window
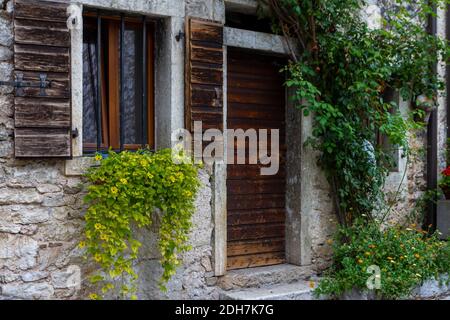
248,22
393,151
118,99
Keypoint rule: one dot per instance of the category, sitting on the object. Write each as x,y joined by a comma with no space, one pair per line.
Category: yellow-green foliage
127,191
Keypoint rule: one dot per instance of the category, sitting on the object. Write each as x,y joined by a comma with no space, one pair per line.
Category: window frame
110,84
383,141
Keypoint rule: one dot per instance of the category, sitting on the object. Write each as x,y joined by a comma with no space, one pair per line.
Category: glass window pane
133,64
90,66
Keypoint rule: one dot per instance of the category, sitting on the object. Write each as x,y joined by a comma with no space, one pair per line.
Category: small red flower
446,172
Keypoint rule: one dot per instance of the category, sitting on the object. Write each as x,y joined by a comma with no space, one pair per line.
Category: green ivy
344,75
130,191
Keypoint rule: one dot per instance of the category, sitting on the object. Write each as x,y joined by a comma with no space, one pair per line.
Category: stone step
299,290
264,276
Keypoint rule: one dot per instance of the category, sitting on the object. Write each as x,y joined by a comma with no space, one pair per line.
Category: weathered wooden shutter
204,74
42,47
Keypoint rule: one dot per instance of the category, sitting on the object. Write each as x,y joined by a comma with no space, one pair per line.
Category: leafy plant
405,256
343,73
129,191
444,183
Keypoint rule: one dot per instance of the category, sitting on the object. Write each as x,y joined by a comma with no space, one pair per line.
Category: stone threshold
264,276
299,290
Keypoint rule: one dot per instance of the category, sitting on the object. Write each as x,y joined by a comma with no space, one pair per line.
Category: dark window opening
248,22
118,98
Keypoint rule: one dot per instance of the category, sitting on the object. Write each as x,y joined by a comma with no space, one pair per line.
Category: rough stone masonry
41,220
41,208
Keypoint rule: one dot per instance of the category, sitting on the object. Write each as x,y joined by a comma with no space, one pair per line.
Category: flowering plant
398,258
445,181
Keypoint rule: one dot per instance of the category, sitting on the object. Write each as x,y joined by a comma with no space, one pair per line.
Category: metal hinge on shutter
19,84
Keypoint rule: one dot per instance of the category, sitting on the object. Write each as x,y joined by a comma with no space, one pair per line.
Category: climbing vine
345,75
130,191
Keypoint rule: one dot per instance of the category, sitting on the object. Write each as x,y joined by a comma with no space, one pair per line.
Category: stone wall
41,221
405,185
40,208
41,201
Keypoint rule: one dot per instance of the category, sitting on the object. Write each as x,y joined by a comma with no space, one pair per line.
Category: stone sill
78,166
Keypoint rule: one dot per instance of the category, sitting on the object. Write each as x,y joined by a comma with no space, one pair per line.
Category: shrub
405,256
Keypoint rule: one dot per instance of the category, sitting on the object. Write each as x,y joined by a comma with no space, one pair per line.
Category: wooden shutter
42,46
204,74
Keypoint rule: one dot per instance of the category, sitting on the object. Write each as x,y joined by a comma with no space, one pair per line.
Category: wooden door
256,203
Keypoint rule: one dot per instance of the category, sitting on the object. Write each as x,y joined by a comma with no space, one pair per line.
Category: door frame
298,234
267,58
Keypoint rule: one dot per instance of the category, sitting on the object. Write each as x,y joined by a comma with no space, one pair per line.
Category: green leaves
405,257
343,78
125,194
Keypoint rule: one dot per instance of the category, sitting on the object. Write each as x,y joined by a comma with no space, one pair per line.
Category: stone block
6,149
5,53
7,277
30,291
23,214
78,166
19,196
433,288
29,230
31,215
206,9
32,173
6,111
6,34
48,188
34,276
443,218
18,251
9,227
62,280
